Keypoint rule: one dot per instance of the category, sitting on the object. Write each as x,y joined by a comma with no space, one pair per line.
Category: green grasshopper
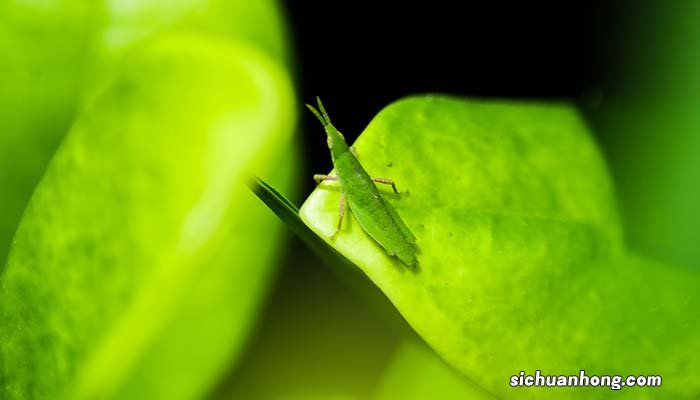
374,214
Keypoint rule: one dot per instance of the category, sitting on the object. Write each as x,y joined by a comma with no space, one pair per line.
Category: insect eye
329,140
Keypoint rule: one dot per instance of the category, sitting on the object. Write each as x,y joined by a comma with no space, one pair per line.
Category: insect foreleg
318,178
386,182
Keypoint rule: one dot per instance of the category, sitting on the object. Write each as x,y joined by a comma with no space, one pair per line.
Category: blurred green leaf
58,54
141,257
125,24
521,263
416,372
43,52
317,339
650,129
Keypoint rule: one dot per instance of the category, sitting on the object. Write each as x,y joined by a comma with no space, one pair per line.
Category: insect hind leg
318,178
341,214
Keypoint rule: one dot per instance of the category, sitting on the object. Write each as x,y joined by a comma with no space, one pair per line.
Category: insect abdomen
372,212
377,221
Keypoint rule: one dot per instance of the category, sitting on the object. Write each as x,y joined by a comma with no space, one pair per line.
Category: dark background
359,56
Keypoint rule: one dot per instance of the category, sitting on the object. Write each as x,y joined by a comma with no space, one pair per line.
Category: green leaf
521,262
138,265
414,371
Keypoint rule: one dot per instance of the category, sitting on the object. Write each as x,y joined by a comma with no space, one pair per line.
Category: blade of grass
289,214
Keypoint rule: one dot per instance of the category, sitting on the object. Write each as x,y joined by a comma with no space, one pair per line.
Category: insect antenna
317,114
323,110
